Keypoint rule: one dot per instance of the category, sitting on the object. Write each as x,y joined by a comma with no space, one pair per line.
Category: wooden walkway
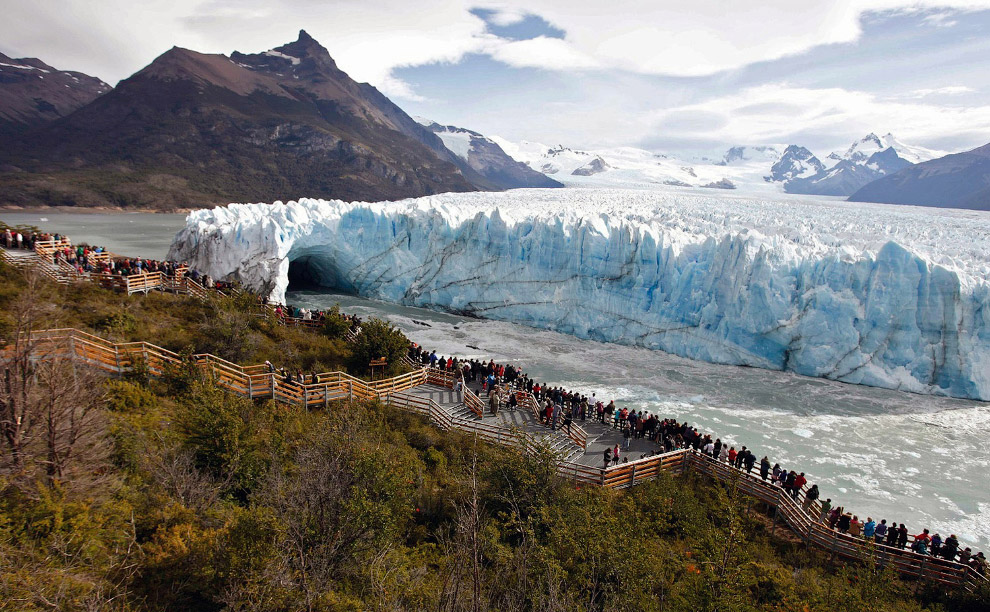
448,403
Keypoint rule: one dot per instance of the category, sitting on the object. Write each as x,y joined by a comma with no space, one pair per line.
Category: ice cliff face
876,295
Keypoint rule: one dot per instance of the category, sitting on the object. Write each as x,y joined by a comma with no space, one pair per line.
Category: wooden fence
256,381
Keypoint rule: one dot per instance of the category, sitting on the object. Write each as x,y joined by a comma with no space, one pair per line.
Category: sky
664,75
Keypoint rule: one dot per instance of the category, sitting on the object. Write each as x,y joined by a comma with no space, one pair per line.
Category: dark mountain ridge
33,93
961,180
194,129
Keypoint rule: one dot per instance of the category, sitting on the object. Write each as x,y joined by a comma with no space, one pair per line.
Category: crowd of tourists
561,408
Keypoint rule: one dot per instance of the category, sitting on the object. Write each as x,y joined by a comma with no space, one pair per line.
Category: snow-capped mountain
630,167
865,161
481,154
796,162
861,150
768,154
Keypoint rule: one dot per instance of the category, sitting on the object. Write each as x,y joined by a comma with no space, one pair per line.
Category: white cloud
941,20
782,113
113,38
506,17
951,90
541,52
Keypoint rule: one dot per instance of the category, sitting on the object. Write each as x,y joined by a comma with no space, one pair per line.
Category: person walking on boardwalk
749,461
799,482
568,419
764,467
493,403
810,497
625,438
607,457
615,455
723,454
555,417
826,508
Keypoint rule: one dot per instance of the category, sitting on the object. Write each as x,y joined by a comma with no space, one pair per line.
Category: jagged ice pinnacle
886,296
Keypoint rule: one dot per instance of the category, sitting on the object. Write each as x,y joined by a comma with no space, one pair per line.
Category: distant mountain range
866,170
194,129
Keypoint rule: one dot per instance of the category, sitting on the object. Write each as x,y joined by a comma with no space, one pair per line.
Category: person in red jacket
799,482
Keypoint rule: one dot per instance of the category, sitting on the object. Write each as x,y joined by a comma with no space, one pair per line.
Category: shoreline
93,209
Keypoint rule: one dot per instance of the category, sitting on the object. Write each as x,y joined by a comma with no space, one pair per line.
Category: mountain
194,129
631,167
796,162
864,161
764,153
961,180
33,93
595,166
478,153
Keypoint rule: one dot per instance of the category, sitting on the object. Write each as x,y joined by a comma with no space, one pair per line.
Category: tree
335,325
379,339
50,410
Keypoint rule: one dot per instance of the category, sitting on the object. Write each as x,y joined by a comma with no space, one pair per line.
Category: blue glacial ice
887,296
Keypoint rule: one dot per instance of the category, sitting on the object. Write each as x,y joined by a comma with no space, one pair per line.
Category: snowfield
887,296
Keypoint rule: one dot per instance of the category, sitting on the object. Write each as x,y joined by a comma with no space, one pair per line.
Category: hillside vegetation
170,494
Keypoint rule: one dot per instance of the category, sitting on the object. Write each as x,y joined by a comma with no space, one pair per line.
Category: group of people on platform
16,239
289,311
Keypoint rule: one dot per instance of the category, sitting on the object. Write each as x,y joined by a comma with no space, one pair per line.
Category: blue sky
656,74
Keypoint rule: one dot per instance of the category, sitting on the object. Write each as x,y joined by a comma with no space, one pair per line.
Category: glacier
887,296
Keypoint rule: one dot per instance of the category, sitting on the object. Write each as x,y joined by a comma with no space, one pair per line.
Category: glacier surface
893,297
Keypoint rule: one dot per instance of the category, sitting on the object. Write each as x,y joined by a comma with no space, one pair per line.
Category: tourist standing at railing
823,514
881,532
869,528
902,536
949,547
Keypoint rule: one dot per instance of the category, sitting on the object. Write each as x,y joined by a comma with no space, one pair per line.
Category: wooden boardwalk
449,403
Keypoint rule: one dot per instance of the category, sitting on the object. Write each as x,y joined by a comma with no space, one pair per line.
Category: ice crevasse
886,296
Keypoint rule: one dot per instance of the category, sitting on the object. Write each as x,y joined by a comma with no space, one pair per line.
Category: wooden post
273,384
632,480
250,388
774,528
306,398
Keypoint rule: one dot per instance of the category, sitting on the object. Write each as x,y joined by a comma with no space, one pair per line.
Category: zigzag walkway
431,392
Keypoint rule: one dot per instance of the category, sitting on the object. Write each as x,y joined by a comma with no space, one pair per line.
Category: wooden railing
256,382
842,545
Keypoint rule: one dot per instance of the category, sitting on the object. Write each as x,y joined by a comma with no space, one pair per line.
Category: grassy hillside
178,496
